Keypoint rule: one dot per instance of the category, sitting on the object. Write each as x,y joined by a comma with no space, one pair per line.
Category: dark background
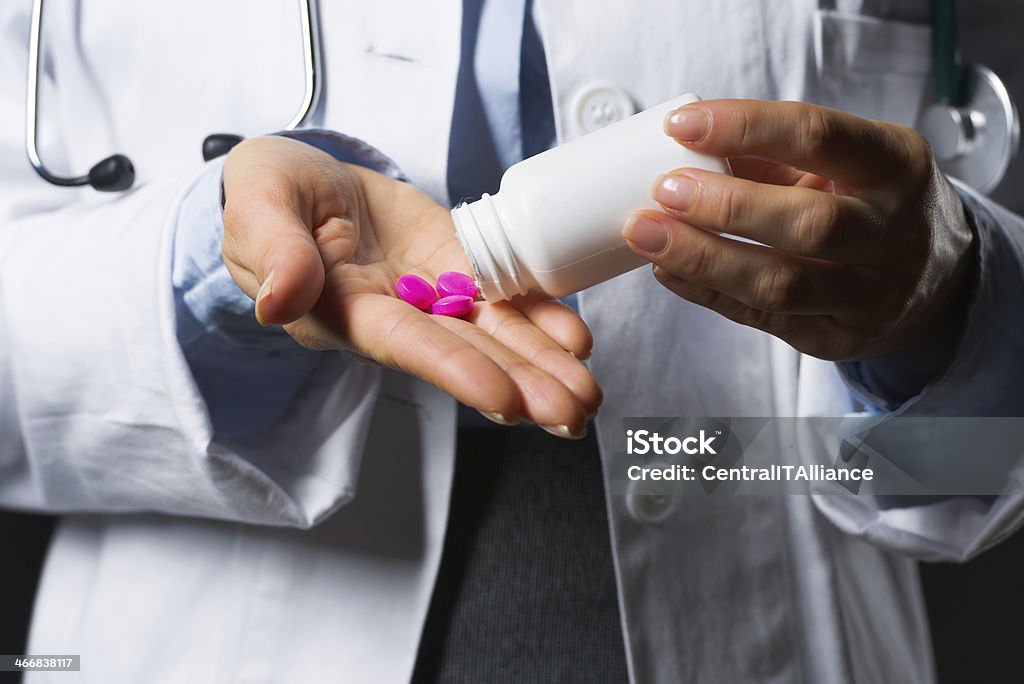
976,609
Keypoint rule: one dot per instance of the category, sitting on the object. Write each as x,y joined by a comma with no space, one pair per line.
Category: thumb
291,276
282,267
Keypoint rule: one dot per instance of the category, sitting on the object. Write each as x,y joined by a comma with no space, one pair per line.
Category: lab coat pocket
874,68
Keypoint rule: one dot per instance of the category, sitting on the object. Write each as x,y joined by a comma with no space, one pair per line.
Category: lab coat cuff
985,374
983,380
955,529
347,149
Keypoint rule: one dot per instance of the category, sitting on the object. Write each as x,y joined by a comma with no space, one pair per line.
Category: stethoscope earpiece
113,174
218,144
116,172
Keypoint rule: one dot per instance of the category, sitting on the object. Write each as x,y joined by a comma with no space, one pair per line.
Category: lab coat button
599,106
648,503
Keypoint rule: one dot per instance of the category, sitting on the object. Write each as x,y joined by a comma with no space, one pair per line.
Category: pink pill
453,305
455,283
416,291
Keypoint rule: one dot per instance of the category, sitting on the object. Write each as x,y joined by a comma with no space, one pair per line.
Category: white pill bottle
556,222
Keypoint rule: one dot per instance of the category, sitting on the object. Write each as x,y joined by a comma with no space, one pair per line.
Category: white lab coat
309,554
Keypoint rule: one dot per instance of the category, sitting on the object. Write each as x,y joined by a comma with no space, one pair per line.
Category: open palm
319,244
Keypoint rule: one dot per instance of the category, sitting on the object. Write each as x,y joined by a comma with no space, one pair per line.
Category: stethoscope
116,172
973,126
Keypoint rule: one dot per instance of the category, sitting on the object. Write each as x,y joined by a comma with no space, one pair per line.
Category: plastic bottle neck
484,239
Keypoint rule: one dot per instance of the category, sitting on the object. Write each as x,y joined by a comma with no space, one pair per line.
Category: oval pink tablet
453,305
455,283
416,291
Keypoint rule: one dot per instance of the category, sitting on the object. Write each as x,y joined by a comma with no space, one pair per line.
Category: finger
765,171
544,399
271,253
397,335
816,139
796,220
519,334
456,356
760,277
817,335
558,321
776,173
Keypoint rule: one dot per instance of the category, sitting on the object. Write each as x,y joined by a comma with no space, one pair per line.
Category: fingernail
265,293
676,192
498,418
564,432
688,123
647,235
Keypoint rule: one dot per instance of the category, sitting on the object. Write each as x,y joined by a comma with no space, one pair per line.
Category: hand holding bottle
864,248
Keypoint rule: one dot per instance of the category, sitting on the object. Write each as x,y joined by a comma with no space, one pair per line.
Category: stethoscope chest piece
976,142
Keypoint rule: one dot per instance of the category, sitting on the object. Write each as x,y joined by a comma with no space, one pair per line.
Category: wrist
929,349
943,307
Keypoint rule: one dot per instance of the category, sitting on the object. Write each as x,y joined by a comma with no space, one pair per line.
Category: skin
864,252
319,245
865,249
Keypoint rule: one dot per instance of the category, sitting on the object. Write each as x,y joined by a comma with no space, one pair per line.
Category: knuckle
694,262
728,207
913,154
245,207
817,132
336,230
917,146
264,254
819,226
768,321
745,127
777,289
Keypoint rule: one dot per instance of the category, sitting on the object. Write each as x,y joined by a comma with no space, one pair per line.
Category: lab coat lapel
393,81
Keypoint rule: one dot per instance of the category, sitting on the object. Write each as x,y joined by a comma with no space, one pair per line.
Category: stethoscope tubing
949,88
32,105
310,26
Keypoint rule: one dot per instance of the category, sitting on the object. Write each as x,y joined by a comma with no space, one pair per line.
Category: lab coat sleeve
99,409
983,380
248,374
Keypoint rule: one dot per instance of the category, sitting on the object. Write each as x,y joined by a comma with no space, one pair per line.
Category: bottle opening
482,234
